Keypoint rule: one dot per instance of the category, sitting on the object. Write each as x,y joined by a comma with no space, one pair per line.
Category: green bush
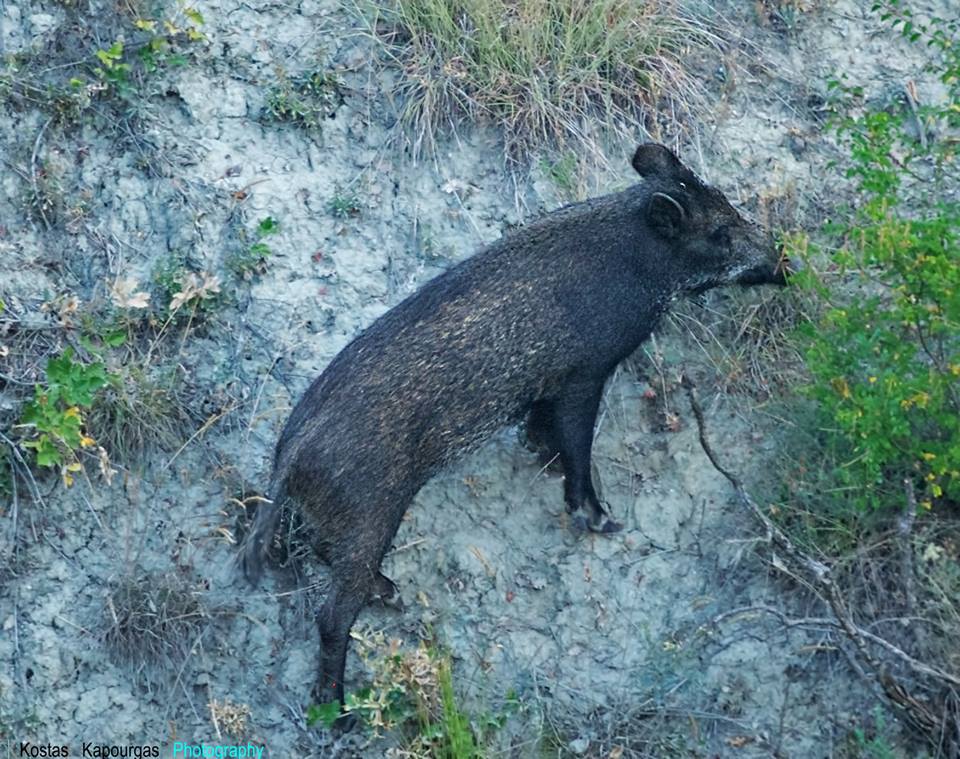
884,352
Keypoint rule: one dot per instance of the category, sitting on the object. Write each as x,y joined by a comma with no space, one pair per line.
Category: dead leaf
124,294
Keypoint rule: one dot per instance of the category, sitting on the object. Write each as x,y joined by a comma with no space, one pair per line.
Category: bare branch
920,712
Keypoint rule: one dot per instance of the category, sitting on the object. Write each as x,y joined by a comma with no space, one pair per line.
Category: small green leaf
111,55
325,714
268,226
116,338
47,453
89,346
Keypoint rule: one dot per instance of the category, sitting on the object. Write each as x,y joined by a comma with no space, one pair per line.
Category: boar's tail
264,527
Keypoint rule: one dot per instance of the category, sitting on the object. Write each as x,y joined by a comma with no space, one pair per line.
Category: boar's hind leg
574,417
538,433
349,592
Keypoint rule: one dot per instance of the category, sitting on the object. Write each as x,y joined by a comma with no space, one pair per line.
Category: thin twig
904,529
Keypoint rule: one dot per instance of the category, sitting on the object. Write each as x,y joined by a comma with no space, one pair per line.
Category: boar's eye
720,237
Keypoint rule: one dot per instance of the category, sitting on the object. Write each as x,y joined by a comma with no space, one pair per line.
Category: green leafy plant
252,259
142,46
876,747
884,352
158,44
53,419
183,290
113,70
161,49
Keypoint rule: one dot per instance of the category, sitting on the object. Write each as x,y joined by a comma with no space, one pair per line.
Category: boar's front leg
574,415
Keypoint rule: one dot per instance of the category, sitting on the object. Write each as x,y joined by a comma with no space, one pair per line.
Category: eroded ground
603,641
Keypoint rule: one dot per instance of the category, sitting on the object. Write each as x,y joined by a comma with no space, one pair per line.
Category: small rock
41,23
579,746
796,144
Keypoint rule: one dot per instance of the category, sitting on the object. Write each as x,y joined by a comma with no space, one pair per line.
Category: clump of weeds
306,100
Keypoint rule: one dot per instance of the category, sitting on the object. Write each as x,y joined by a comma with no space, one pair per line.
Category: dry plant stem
823,584
904,529
213,419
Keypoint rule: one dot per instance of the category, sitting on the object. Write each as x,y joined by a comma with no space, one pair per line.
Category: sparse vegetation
551,74
412,692
872,744
345,203
306,100
184,290
230,717
138,410
115,395
562,172
141,47
251,259
151,623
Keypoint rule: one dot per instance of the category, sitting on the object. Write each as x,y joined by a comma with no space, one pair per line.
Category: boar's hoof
606,526
344,723
603,525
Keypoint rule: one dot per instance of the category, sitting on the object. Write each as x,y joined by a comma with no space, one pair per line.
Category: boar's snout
773,267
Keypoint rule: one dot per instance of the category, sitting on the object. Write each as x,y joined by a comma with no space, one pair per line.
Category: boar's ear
665,214
652,159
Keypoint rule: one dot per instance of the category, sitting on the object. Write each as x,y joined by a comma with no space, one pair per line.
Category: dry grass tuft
557,75
748,342
153,622
138,411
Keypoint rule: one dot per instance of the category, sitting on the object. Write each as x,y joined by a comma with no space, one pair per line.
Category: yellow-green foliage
53,422
885,352
412,692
